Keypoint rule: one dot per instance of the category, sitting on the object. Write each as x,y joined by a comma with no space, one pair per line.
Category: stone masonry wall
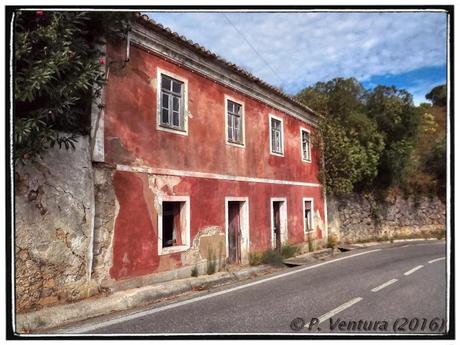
53,225
359,217
106,211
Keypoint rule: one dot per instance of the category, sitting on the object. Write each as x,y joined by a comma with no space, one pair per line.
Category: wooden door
234,232
277,225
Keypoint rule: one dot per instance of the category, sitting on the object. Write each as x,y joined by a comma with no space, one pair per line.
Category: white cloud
303,48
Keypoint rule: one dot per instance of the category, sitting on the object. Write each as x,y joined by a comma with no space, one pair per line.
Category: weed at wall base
194,272
211,263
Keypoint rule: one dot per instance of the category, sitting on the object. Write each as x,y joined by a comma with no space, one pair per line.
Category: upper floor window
172,103
234,122
305,145
276,135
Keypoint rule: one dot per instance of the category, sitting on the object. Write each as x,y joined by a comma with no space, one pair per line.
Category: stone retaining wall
357,218
53,227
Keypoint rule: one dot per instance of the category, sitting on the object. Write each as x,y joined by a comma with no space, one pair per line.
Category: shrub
440,234
288,250
272,257
332,241
255,259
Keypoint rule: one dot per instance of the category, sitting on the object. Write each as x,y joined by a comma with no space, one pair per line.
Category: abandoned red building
208,160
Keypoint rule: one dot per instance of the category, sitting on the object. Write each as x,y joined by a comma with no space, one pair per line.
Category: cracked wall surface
53,220
106,212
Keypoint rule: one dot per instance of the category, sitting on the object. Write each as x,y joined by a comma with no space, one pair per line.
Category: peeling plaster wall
53,221
106,213
132,140
135,234
359,218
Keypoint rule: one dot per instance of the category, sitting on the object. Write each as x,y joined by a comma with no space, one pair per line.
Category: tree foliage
438,96
368,135
352,144
426,170
57,73
398,120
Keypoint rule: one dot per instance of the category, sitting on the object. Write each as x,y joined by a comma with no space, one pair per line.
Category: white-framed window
276,135
172,101
305,144
173,224
234,122
308,212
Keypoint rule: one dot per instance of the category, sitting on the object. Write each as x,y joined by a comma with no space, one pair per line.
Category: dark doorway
234,232
277,224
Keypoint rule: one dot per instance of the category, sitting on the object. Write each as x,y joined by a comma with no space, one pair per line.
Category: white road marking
438,259
201,298
413,270
337,310
384,285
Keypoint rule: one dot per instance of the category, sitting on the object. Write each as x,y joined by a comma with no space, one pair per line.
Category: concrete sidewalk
61,315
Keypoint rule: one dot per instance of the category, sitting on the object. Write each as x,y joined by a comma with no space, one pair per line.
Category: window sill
277,154
306,161
241,146
172,130
173,249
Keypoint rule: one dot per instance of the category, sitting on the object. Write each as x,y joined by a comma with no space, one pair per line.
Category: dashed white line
337,310
384,285
438,259
413,270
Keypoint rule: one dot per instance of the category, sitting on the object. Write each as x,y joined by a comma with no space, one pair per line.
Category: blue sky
298,49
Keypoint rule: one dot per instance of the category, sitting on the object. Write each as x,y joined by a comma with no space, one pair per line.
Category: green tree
438,96
397,119
351,142
57,74
435,162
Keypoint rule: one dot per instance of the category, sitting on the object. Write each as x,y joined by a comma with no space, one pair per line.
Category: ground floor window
174,225
171,223
308,214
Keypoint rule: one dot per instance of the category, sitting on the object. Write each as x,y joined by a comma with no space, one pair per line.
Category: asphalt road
368,290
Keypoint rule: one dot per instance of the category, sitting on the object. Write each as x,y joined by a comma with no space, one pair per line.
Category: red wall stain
133,244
